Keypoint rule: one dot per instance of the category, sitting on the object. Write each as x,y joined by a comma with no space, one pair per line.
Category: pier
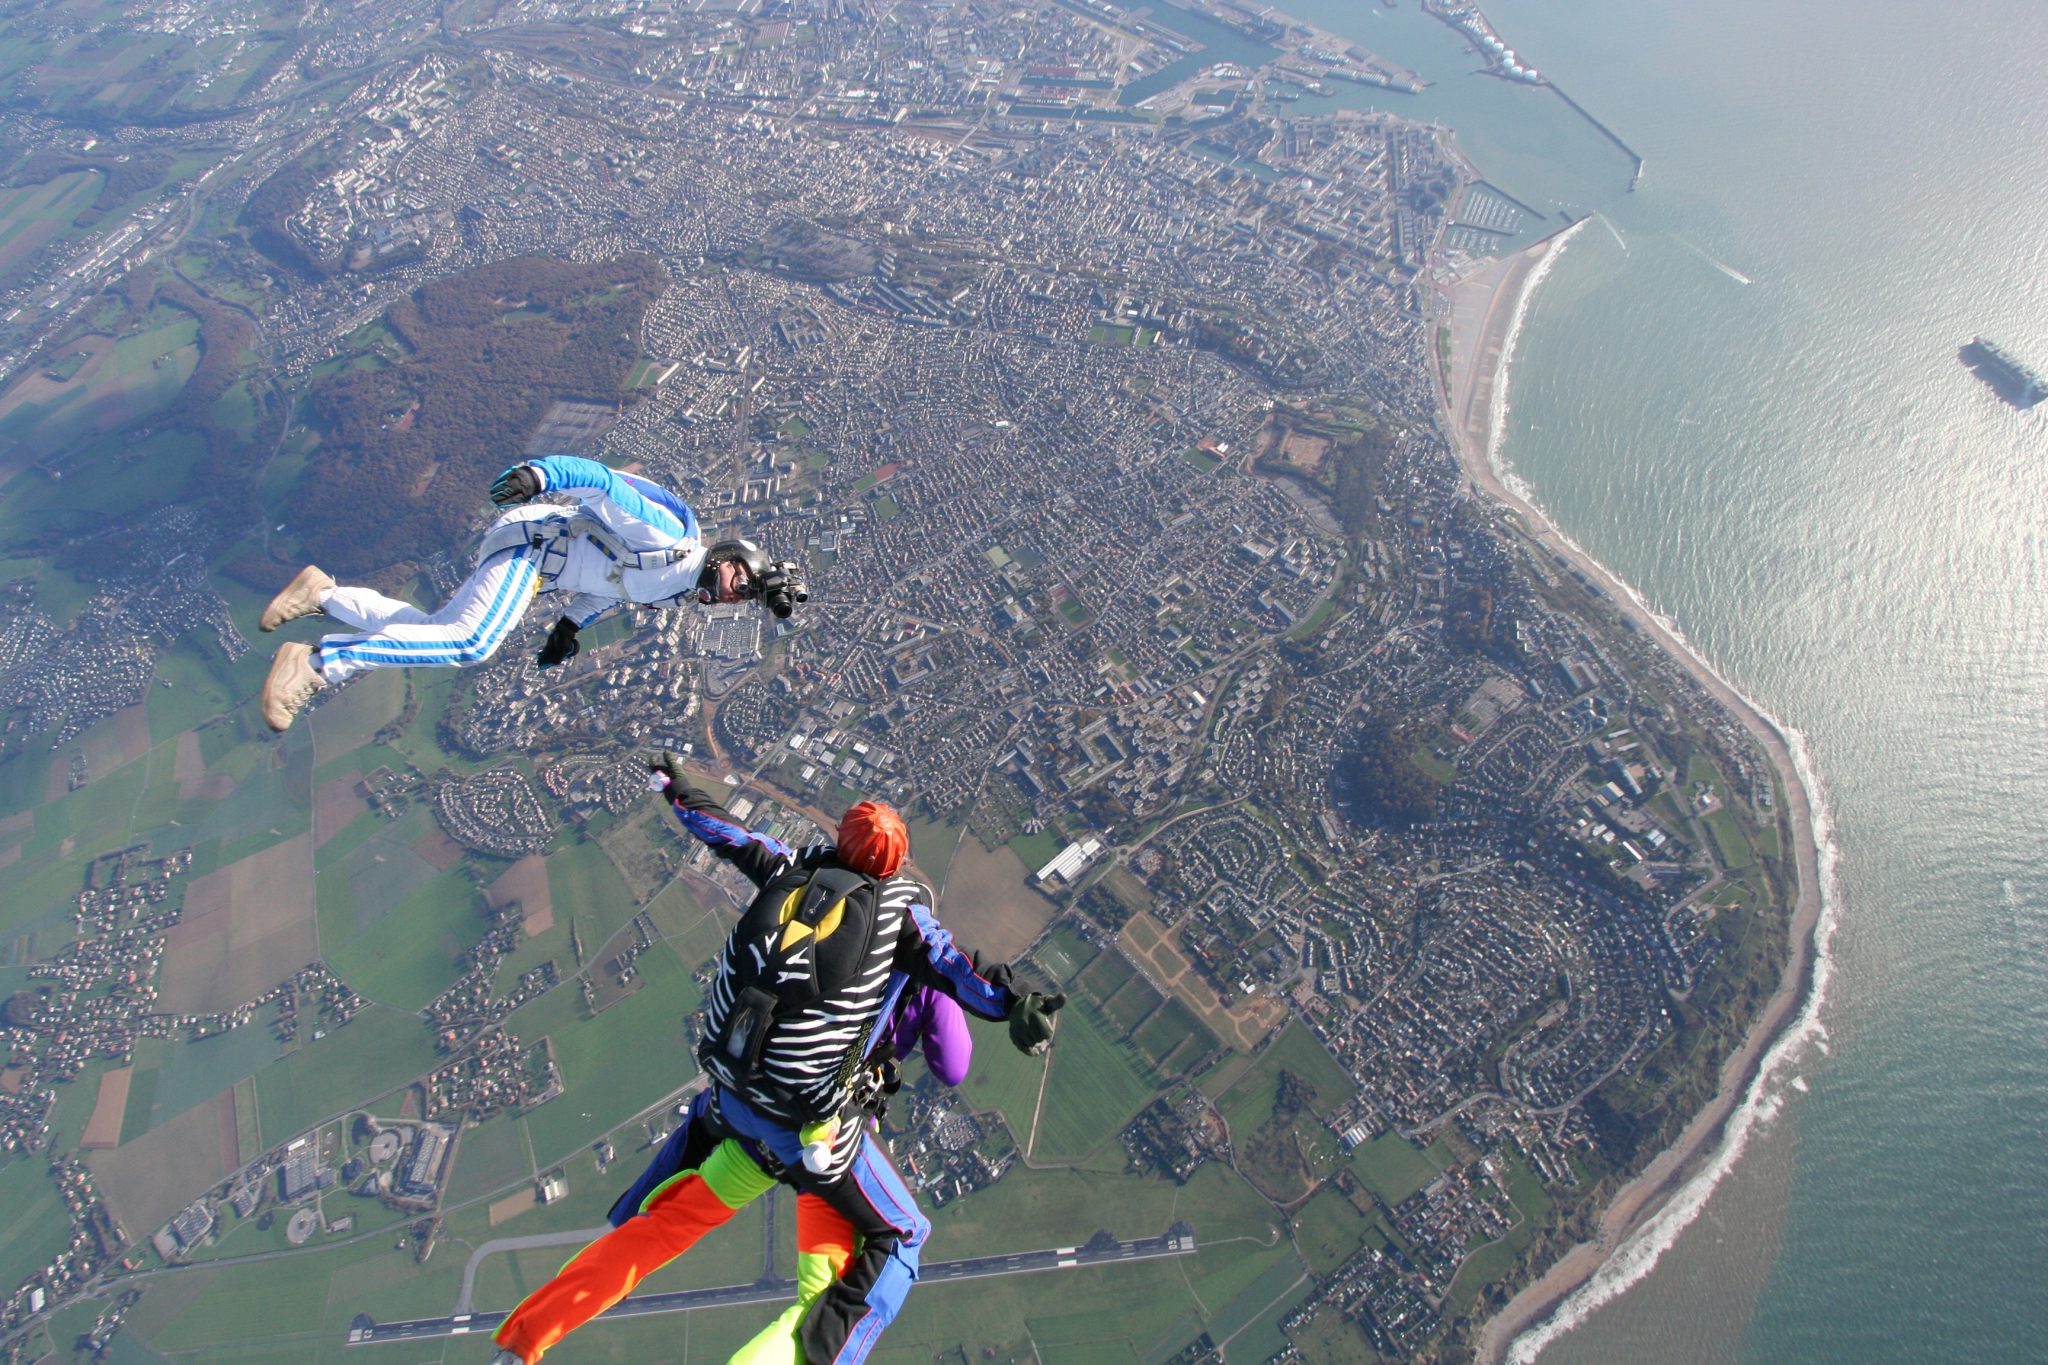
1635,158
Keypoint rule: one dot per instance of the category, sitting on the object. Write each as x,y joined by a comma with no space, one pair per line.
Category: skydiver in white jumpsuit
626,540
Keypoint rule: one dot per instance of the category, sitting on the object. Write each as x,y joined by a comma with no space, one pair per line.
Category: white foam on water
1764,1099
1726,269
1804,1034
1497,402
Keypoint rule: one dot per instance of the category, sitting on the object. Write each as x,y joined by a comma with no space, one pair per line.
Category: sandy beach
1482,309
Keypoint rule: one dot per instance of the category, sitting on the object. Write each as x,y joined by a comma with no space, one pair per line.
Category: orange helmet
872,839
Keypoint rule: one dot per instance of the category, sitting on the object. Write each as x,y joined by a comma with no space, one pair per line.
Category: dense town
1111,446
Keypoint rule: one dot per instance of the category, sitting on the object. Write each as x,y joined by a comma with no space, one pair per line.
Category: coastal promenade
1483,310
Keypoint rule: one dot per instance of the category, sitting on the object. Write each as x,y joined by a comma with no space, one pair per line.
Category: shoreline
1484,311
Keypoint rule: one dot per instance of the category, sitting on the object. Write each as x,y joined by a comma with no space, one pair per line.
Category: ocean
1738,387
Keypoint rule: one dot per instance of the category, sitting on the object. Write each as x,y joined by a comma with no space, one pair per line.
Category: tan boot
301,597
291,684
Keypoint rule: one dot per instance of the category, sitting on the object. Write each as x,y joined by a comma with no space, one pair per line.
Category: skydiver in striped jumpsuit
859,1231
625,540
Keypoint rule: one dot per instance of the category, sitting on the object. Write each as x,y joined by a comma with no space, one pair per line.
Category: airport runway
1178,1240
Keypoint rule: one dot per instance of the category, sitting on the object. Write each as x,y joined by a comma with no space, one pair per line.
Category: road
1178,1240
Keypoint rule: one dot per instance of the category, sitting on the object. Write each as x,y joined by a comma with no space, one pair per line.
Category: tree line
408,448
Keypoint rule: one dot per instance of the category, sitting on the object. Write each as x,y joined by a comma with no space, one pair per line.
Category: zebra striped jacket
806,1059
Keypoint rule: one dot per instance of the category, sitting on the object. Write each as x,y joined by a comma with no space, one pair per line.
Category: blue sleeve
756,855
563,473
930,956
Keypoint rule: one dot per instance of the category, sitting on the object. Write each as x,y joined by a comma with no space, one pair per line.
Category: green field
1299,1051
175,1075
1036,850
490,1156
1107,974
1730,843
1175,1041
143,372
391,924
1133,1004
379,1050
34,214
696,934
615,1065
33,1227
1004,1079
932,846
296,1307
584,883
1392,1168
1143,1311
1329,1229
1097,1085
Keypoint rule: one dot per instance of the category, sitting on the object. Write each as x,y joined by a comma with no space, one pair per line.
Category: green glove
1030,1020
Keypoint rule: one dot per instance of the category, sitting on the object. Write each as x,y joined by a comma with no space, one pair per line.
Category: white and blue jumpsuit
626,540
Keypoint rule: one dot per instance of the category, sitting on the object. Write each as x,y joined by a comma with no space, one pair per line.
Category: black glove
1030,1020
561,645
671,767
520,483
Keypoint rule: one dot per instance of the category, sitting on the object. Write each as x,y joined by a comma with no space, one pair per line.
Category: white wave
1761,1103
1497,401
1726,269
1799,1084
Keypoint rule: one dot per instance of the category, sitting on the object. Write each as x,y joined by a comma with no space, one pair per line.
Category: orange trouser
825,1242
669,1224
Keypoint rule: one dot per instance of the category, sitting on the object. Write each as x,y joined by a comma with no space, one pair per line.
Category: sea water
1739,389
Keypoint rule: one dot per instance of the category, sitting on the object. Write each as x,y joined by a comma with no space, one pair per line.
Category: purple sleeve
948,1046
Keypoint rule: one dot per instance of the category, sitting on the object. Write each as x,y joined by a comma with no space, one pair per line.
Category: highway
1178,1240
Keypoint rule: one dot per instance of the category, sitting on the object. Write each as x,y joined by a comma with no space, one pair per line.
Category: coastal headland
1483,310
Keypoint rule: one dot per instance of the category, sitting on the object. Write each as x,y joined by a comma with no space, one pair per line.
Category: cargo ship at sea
2015,382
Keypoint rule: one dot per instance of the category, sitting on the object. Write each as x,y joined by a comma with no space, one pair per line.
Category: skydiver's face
735,584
